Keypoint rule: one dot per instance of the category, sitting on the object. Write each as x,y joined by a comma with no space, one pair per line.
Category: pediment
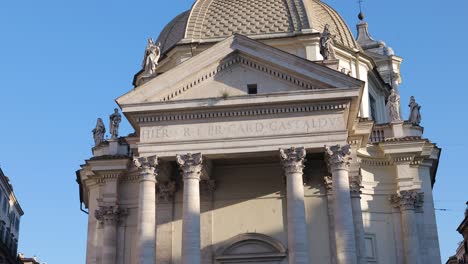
228,67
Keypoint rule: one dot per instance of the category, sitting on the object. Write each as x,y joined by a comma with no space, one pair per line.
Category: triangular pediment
227,69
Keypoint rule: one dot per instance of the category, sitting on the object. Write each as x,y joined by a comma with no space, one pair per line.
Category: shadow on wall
249,198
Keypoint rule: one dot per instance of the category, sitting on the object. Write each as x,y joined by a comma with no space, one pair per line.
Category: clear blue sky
62,64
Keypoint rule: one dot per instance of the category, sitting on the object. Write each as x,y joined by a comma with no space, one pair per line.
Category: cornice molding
375,162
261,111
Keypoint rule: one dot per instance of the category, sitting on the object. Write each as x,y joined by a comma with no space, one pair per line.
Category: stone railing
378,135
395,131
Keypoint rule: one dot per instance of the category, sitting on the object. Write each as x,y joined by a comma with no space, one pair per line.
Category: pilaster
109,217
408,201
165,192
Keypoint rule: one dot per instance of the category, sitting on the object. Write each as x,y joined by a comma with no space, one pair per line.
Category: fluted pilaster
109,217
408,201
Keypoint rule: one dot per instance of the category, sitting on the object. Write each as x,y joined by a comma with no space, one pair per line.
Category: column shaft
191,166
342,209
147,222
146,242
296,220
343,216
293,160
191,222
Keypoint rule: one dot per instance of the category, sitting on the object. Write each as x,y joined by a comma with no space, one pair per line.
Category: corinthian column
109,216
408,201
146,242
337,158
191,167
293,164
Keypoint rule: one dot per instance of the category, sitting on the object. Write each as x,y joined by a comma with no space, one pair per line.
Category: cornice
261,111
375,162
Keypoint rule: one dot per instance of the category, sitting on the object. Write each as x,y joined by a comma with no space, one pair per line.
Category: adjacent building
25,260
10,215
264,133
461,257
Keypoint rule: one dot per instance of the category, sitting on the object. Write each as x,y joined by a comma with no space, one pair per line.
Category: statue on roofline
393,106
151,58
98,132
115,120
327,44
415,114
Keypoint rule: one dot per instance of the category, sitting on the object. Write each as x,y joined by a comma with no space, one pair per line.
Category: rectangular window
373,107
252,88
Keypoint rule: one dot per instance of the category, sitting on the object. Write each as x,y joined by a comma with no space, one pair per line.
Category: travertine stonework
254,149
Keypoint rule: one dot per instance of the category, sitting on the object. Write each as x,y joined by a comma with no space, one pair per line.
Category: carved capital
328,182
190,165
165,191
147,167
110,215
407,200
355,186
293,159
338,156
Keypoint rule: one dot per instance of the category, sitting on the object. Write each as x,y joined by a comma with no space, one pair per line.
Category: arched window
251,248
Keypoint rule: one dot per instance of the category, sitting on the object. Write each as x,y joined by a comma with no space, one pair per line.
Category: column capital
355,186
109,214
166,190
190,165
407,200
147,167
293,159
328,182
338,156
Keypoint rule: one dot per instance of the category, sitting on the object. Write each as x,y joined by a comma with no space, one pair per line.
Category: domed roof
212,20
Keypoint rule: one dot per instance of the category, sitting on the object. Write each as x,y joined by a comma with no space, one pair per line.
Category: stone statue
415,114
98,132
327,47
152,54
115,120
393,106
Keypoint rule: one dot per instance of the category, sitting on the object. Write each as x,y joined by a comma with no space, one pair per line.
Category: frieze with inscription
242,128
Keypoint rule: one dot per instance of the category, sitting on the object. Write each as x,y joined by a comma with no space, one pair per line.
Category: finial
361,14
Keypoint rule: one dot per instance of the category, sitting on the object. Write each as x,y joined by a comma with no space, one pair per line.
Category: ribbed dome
212,20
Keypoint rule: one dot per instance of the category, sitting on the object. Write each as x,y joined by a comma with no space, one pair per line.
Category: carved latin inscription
242,128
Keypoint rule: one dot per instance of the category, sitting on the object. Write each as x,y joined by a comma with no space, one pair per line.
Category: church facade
264,133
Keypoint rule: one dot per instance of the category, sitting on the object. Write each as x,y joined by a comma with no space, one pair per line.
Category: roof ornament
361,14
327,44
415,114
98,132
151,58
115,120
393,106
